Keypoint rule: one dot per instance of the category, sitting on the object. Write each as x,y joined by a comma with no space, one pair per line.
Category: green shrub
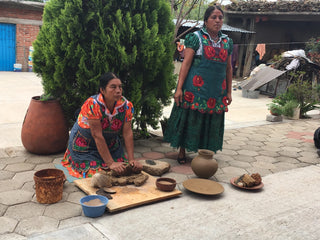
289,108
275,109
81,39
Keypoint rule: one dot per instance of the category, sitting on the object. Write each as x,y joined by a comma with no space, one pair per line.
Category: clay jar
204,165
44,129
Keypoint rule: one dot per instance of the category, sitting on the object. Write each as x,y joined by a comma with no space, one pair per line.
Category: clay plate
232,181
203,186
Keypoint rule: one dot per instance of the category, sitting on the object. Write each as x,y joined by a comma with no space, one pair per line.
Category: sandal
182,160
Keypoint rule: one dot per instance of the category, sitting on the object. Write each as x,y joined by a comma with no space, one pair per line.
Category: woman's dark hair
209,11
105,79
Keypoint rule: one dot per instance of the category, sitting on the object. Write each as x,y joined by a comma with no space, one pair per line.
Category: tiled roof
199,24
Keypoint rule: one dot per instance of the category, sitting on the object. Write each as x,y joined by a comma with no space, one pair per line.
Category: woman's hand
178,96
136,165
118,167
229,98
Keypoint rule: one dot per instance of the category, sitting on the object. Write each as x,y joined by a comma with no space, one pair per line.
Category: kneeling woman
94,143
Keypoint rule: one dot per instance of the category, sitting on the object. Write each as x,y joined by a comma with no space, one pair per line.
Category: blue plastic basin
94,211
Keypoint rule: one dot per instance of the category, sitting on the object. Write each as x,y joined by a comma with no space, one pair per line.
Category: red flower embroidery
197,81
77,165
211,102
209,52
121,109
223,54
120,160
224,84
116,124
204,36
81,142
105,123
211,111
224,40
189,97
225,101
226,109
103,164
93,163
219,111
82,165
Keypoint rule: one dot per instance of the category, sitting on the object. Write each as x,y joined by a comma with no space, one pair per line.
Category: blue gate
7,46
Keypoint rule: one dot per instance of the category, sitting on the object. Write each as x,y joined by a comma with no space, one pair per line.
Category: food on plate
246,180
257,178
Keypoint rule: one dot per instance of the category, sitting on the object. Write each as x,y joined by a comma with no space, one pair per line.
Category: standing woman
203,91
94,142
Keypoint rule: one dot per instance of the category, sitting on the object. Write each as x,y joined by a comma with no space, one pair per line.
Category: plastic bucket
49,185
17,67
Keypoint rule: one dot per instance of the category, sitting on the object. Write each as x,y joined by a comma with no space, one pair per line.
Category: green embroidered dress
198,123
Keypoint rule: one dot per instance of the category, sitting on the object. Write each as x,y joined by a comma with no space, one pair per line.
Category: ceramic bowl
94,211
166,184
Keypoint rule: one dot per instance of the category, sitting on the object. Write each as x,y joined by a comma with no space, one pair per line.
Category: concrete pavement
287,207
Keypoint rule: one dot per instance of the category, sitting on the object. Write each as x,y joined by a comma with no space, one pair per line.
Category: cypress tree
82,39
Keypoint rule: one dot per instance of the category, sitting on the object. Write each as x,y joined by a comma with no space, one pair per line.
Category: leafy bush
275,109
82,39
302,93
313,49
289,107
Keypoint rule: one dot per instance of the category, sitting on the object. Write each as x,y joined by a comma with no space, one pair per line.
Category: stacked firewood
278,6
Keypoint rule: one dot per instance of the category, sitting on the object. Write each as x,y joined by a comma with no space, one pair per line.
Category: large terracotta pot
44,129
204,165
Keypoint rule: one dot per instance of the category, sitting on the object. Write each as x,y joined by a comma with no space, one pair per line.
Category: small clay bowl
166,184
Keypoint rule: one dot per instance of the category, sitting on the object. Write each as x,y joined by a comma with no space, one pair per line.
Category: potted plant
291,109
275,109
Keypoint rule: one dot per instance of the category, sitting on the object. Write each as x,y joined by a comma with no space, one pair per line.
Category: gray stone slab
26,176
266,159
162,149
75,221
3,209
240,164
7,225
147,143
309,160
63,210
234,147
3,153
141,149
12,160
85,231
289,154
36,225
269,153
5,174
283,166
25,210
44,166
15,197
75,197
17,151
12,236
249,153
9,184
223,158
244,158
39,159
20,167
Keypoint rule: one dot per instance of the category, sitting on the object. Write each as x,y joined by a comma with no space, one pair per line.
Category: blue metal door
7,46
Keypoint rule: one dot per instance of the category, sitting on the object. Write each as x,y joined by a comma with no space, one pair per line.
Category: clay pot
204,165
44,129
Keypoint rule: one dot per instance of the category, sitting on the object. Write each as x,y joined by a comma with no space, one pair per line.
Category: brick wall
25,33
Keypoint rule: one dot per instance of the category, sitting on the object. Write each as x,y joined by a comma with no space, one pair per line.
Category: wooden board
129,196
